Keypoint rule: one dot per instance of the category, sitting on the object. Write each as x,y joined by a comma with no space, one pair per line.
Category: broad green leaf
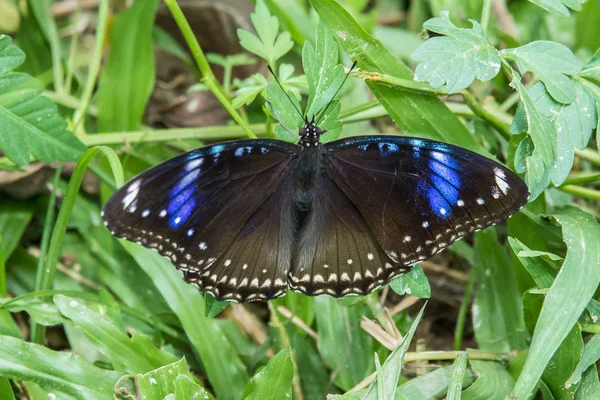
225,371
559,7
135,355
552,63
323,72
458,376
6,391
274,381
537,176
539,127
591,354
213,307
497,309
31,125
53,370
589,389
39,310
566,299
413,282
268,45
186,388
10,55
285,111
585,27
344,346
127,79
457,58
392,368
160,382
433,385
493,381
414,113
565,358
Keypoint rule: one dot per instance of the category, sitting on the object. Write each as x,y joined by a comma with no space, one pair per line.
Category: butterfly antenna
284,92
336,92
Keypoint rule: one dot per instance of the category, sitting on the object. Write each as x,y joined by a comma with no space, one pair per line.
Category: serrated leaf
392,367
323,72
559,7
413,283
10,55
274,382
552,63
538,126
268,44
250,88
31,125
457,58
284,111
160,382
568,296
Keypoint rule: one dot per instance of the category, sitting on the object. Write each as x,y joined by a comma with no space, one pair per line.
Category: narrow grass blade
458,374
591,354
274,382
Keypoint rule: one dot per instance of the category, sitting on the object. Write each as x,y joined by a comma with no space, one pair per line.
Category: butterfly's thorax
310,165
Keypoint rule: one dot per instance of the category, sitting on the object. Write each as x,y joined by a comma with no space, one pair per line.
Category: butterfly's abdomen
309,168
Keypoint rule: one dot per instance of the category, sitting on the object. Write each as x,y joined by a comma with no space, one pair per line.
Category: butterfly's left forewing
215,212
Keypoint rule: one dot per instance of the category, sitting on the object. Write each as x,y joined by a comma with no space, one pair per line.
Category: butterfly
244,220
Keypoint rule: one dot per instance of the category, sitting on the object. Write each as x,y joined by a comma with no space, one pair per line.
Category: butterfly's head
310,133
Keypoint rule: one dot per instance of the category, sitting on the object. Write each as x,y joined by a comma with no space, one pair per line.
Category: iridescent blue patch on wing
183,213
217,149
363,147
264,150
385,149
179,200
185,181
447,172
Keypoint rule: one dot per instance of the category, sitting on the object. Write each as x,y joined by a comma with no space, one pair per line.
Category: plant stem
589,155
485,14
462,312
209,78
407,84
165,135
94,70
582,178
2,272
581,192
486,115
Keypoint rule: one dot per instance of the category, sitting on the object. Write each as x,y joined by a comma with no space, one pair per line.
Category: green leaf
323,72
268,45
225,371
31,125
457,58
14,218
53,370
10,55
566,299
274,382
565,358
127,79
559,7
392,368
458,376
160,382
285,111
589,389
432,385
542,273
552,63
493,381
413,282
592,68
497,309
213,307
249,89
591,354
344,346
414,113
540,130
186,388
135,355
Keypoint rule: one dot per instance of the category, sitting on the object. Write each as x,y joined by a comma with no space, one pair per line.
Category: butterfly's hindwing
212,211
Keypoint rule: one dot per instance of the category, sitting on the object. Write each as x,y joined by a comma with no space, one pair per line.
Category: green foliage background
517,81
